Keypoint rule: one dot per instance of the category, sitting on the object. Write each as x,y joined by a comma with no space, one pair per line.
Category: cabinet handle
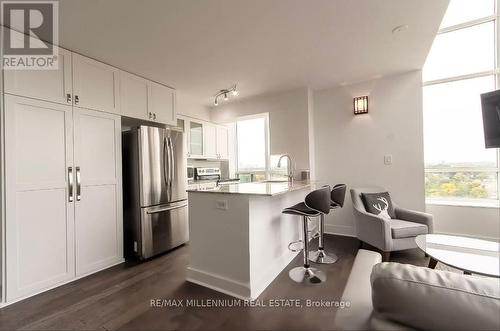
77,99
70,184
68,98
78,185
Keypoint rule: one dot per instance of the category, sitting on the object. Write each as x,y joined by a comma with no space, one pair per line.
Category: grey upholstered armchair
388,234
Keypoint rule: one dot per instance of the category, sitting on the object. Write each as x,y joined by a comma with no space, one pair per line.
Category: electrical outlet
388,159
221,204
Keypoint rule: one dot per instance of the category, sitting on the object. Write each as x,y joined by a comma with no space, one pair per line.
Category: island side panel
270,233
218,245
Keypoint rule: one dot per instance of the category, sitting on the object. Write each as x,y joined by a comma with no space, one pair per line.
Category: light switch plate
221,204
388,159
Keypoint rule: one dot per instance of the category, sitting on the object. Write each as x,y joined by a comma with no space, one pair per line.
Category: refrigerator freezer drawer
163,227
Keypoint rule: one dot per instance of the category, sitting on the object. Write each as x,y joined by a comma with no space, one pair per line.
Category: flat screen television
490,103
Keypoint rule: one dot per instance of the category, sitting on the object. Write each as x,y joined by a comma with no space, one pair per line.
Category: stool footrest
295,250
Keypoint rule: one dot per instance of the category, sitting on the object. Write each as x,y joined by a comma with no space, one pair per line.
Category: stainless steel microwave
190,172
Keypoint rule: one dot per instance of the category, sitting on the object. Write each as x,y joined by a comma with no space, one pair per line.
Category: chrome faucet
290,170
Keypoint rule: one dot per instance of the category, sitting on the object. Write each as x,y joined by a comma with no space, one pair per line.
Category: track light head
233,91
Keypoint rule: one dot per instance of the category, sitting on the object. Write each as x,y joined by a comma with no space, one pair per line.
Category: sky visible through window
460,11
251,137
459,68
453,128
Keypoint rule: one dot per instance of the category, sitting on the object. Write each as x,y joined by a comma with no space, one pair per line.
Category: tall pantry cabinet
63,192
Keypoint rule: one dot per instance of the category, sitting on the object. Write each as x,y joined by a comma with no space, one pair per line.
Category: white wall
288,121
350,149
186,105
469,221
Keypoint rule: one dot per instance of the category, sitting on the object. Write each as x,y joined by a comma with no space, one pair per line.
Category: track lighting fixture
225,93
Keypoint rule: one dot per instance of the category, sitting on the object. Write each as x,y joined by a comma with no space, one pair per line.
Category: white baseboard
238,289
341,230
219,283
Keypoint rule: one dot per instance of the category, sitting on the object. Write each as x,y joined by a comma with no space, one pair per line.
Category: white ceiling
200,46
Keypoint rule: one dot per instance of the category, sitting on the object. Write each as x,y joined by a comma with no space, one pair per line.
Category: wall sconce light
361,105
225,93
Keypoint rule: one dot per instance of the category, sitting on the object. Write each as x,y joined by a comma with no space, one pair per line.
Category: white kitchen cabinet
222,142
48,85
39,217
210,140
98,206
147,100
205,140
195,137
63,195
134,94
162,104
95,85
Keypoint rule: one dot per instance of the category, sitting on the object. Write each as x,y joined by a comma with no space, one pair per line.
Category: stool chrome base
319,256
307,276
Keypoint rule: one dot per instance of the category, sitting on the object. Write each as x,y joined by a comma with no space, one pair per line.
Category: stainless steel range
154,191
207,173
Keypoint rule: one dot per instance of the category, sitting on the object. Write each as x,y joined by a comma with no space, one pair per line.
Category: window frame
267,169
495,72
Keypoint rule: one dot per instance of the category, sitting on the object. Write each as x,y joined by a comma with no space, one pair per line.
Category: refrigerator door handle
161,210
166,161
172,163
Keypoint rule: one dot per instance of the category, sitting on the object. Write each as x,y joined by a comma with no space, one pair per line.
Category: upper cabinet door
48,85
162,104
210,140
39,191
222,142
134,94
95,85
195,137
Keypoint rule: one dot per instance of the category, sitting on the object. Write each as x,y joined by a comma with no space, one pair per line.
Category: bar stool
337,197
315,204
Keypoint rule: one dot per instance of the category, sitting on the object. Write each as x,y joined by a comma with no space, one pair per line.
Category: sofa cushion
406,229
358,293
379,204
428,299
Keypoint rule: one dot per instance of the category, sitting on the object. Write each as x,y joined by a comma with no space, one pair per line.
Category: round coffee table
473,256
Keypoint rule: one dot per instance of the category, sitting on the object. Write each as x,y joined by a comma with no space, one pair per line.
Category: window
252,148
460,66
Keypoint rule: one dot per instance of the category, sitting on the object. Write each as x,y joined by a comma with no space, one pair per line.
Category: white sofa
393,296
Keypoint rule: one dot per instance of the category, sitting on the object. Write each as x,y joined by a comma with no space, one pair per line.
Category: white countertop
256,188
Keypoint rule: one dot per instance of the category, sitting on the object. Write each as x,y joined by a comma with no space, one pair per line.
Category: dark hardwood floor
119,298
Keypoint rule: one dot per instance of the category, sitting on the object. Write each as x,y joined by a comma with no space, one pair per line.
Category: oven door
163,227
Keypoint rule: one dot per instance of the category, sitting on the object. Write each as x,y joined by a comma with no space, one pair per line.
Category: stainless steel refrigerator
154,191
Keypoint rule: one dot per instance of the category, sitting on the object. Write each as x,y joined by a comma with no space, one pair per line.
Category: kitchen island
239,237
